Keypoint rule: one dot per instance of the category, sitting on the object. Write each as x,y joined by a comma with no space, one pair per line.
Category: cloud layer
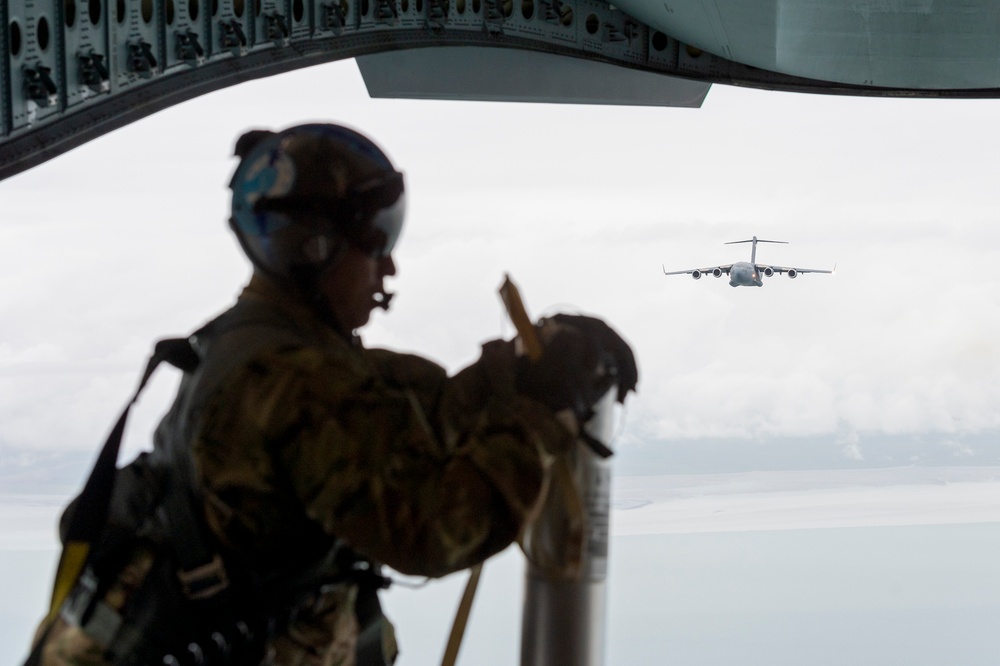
123,241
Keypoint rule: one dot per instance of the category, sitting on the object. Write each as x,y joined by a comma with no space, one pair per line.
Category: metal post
563,620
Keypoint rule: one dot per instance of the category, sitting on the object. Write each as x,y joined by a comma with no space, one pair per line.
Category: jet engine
792,273
717,272
768,271
696,274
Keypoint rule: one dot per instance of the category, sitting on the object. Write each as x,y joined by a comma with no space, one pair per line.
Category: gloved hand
582,357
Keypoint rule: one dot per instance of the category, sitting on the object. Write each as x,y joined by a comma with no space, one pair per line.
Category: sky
124,240
890,362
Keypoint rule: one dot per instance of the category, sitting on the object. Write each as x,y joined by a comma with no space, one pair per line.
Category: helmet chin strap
304,280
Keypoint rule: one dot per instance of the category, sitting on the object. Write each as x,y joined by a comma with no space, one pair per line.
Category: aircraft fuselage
744,274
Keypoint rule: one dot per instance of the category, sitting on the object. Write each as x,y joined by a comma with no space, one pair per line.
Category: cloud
958,449
582,205
851,446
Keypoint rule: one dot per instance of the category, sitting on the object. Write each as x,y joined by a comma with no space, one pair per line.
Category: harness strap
91,514
462,617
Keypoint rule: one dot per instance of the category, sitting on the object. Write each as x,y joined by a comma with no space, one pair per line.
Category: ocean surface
796,569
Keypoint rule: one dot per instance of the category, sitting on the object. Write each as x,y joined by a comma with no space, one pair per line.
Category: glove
614,354
582,357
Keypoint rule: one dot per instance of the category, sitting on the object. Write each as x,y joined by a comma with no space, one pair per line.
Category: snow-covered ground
709,569
676,504
804,499
30,522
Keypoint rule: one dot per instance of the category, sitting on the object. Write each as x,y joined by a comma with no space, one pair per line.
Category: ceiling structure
75,69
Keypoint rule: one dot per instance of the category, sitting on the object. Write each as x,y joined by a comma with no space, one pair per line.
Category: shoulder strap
91,513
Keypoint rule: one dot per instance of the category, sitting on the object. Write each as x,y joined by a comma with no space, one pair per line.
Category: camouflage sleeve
426,473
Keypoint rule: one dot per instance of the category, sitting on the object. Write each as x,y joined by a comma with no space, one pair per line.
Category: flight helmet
303,195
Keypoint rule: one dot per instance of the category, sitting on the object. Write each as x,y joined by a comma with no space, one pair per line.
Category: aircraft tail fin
753,248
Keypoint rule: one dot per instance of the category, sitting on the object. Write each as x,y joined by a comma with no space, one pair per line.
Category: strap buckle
204,581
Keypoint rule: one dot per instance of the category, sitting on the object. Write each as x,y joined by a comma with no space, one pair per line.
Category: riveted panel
271,24
185,35
411,13
377,15
497,15
611,32
549,20
229,28
464,14
301,19
135,36
331,17
5,51
434,15
85,56
662,50
35,69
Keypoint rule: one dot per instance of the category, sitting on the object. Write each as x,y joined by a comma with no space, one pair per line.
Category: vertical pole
563,623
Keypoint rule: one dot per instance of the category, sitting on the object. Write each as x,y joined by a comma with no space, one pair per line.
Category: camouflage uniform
295,437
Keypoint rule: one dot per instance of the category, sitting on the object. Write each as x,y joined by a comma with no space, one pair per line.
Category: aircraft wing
698,272
792,272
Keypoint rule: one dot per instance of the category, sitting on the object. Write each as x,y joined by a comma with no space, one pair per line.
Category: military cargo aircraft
747,273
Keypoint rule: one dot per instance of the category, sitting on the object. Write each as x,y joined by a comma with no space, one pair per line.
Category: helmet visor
386,225
370,216
379,208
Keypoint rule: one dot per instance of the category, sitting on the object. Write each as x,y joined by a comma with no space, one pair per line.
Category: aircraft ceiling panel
507,75
907,44
138,47
83,36
71,70
34,67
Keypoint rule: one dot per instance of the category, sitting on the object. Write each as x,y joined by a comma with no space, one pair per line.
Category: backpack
140,578
133,530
